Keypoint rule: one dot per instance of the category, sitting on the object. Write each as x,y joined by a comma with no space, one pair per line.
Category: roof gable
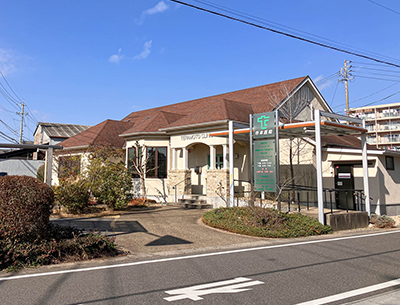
104,133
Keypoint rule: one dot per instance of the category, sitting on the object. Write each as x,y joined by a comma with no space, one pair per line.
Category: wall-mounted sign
264,166
264,125
198,136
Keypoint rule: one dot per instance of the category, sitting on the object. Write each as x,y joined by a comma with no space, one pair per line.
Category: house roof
57,130
343,142
104,133
236,105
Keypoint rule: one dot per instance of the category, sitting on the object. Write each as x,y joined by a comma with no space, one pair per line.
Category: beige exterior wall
84,161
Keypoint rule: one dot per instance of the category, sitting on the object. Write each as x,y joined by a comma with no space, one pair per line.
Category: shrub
61,245
40,173
384,222
107,177
264,222
25,207
73,195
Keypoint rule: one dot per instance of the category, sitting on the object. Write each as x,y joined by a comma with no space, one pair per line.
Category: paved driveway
160,229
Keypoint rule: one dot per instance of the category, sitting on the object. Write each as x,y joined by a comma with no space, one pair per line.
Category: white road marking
353,293
236,285
170,259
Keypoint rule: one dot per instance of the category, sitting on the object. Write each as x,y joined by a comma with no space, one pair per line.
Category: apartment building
383,124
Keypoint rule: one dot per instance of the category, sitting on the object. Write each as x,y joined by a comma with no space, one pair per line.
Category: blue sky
82,62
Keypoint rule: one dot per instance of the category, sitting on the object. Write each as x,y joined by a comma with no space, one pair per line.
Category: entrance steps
193,202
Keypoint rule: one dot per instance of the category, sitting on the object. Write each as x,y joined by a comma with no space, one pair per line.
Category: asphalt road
281,273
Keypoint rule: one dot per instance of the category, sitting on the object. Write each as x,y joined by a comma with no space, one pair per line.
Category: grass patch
62,244
262,222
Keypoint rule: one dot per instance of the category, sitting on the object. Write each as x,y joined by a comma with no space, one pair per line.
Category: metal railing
305,196
184,188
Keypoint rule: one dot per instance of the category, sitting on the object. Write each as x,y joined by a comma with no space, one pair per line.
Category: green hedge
264,222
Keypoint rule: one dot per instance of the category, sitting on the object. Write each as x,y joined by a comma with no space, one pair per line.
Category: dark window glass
389,163
157,162
151,162
162,162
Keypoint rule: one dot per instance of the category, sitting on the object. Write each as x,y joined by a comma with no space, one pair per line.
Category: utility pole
345,72
22,113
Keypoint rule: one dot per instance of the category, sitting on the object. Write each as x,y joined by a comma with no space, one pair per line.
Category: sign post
264,161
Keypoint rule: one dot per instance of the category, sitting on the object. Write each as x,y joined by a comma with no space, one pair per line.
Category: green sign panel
264,165
264,125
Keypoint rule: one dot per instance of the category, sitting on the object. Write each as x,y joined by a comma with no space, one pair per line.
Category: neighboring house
104,133
383,124
19,162
54,133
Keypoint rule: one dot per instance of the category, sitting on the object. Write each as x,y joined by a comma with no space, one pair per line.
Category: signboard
264,125
264,165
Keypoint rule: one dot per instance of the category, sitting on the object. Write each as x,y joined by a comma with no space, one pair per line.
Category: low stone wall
347,221
182,179
218,178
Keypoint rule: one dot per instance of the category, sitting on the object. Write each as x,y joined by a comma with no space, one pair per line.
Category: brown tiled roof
105,133
237,105
343,142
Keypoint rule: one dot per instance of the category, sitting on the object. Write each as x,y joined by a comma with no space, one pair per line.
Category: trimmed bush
73,195
263,222
63,244
25,207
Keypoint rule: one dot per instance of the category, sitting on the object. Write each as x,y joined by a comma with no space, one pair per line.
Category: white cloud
159,8
6,62
318,78
324,84
116,58
146,50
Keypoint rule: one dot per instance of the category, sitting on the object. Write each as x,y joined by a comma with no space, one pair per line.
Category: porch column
212,157
174,158
185,158
231,170
320,190
365,170
225,155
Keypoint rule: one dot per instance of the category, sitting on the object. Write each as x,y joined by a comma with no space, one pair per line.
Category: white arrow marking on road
238,284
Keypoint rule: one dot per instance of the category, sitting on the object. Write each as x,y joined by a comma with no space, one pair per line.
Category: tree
138,162
107,177
295,107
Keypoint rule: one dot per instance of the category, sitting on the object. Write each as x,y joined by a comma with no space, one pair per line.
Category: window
156,162
389,163
134,159
219,161
69,166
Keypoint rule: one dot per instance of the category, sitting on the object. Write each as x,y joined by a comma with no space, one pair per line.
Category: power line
334,93
10,86
32,115
377,78
283,27
287,34
328,78
388,8
373,69
363,98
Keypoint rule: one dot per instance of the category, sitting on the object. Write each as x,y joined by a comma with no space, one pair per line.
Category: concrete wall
20,167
